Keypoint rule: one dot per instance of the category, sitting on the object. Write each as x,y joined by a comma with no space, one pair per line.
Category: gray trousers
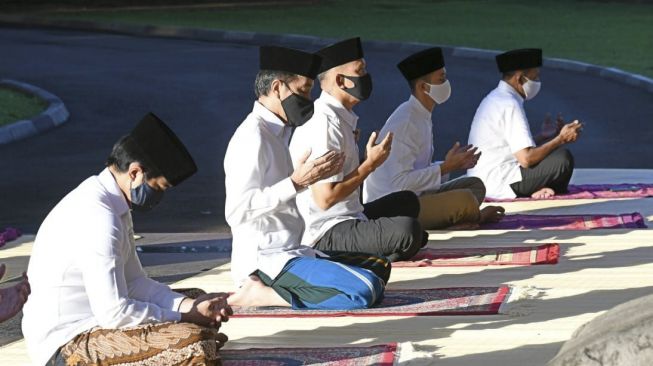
391,231
455,202
553,172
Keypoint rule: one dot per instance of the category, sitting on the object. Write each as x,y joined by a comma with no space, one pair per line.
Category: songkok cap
161,149
289,60
521,59
340,53
421,63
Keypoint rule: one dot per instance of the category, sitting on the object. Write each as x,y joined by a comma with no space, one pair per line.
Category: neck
123,182
271,105
343,97
514,83
424,99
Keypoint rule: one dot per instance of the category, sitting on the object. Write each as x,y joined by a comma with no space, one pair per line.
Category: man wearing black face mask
335,218
268,263
87,281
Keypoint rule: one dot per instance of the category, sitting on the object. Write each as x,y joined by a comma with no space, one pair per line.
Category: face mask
531,88
144,197
362,88
298,109
439,92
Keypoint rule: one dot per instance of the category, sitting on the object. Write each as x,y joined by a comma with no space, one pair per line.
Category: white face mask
531,88
439,92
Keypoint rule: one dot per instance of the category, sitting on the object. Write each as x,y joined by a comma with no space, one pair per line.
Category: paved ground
204,90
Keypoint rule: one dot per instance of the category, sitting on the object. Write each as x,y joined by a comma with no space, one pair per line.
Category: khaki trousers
455,202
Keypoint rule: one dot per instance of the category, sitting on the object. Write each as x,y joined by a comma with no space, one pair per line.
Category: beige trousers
455,202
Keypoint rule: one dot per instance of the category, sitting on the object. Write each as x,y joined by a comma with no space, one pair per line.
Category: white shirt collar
510,90
272,121
418,107
117,199
348,116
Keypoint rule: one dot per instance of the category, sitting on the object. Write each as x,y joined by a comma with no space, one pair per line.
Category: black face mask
362,86
144,197
298,109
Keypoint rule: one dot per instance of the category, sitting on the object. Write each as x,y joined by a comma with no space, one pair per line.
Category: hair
264,79
121,157
508,74
321,76
412,84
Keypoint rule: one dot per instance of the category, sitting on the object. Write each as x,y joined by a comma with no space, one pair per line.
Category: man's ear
275,88
133,170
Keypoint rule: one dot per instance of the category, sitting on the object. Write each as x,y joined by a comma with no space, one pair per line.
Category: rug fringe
521,301
408,354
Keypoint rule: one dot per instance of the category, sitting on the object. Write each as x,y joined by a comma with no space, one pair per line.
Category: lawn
615,34
15,106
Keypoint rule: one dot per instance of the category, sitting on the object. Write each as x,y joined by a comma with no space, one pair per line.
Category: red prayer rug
381,355
411,302
568,222
494,256
590,191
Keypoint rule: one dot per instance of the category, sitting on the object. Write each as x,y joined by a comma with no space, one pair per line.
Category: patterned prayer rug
411,302
380,355
452,257
568,222
590,191
8,235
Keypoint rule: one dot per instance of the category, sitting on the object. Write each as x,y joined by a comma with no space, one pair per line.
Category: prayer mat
494,256
8,235
410,302
380,355
568,222
590,191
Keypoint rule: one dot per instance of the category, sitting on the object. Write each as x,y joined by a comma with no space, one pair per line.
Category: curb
304,41
54,115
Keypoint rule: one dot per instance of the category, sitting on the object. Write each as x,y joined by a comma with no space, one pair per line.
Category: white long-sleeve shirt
330,129
84,271
409,165
499,130
260,203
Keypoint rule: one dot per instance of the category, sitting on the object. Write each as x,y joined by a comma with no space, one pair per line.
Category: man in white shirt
268,262
91,301
410,166
334,216
512,164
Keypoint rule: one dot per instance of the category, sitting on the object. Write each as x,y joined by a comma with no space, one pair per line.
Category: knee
410,202
565,159
478,188
410,240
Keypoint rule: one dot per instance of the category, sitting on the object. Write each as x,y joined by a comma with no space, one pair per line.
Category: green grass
615,34
15,106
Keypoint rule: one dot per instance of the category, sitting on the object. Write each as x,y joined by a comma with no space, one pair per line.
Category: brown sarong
167,343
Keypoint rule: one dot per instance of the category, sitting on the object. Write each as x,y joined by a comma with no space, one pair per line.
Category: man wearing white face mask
410,165
512,165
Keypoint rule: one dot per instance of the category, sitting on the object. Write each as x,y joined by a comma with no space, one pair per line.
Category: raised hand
309,172
570,132
375,153
460,158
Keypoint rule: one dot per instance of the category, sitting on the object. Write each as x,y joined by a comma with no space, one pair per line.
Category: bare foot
492,214
255,293
12,298
543,193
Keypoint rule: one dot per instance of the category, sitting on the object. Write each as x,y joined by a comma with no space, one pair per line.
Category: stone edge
54,115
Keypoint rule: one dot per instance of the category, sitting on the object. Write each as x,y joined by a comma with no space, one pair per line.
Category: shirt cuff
285,190
171,316
176,301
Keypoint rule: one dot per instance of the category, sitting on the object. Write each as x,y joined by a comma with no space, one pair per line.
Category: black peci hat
340,53
161,149
289,60
521,59
421,63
